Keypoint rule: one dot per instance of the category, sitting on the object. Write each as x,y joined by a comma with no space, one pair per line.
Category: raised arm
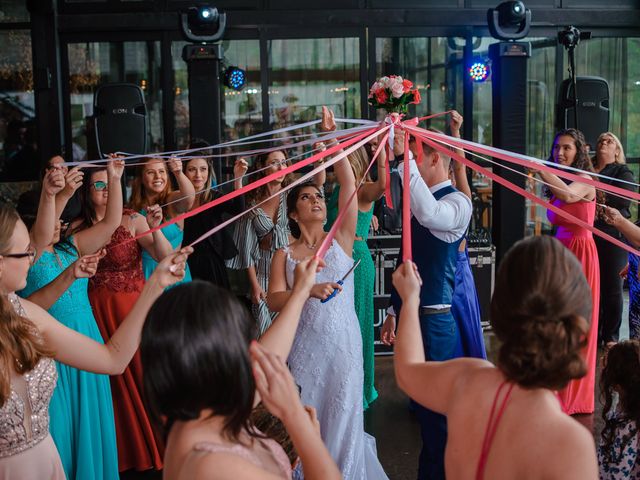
72,182
429,383
46,220
630,230
92,239
279,336
278,293
572,193
186,190
459,169
84,267
156,244
79,351
371,191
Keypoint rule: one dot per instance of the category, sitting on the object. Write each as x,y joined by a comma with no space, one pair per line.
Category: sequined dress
26,449
113,291
81,409
326,361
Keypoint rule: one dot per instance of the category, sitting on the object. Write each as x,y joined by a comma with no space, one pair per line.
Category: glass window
241,110
12,11
433,64
541,99
18,150
616,60
97,63
482,91
306,74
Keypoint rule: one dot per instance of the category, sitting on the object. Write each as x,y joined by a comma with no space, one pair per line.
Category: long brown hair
262,192
359,161
540,311
21,347
138,200
209,193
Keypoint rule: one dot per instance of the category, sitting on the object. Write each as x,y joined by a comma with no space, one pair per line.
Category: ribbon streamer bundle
349,140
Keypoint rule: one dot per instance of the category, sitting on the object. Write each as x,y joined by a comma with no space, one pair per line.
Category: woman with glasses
31,339
152,186
81,408
113,291
610,161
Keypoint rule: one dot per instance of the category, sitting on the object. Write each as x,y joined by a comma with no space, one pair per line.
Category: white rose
384,82
397,90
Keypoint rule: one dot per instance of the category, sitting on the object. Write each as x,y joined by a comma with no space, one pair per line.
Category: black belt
433,311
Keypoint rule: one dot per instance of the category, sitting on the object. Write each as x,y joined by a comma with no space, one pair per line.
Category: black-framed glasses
31,253
99,186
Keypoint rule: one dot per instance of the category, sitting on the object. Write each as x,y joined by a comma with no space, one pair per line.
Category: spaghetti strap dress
579,395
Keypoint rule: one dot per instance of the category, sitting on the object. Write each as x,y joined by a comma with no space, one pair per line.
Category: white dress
326,362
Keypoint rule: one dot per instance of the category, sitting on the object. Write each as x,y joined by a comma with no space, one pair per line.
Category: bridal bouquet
394,94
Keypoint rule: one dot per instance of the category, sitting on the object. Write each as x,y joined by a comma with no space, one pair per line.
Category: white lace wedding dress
326,361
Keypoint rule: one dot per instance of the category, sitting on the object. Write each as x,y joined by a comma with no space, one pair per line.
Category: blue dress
174,234
81,410
465,309
634,297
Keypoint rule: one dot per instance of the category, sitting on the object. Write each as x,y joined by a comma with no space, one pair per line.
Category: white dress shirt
447,219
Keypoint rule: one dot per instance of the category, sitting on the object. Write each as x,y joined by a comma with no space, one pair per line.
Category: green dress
364,278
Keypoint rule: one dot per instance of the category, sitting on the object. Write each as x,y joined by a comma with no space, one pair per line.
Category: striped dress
257,238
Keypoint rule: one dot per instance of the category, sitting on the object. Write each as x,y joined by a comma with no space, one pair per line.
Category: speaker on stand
593,107
120,119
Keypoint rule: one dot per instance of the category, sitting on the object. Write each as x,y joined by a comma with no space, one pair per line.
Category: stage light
479,71
235,78
203,24
509,20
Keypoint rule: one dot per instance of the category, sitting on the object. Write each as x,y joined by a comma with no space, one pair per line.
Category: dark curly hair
540,311
292,199
621,373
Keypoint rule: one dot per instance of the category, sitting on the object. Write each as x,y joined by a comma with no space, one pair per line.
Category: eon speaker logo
120,111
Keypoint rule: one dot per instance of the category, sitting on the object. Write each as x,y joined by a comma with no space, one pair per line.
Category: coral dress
578,396
113,291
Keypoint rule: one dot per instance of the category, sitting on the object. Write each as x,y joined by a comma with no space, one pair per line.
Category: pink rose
397,90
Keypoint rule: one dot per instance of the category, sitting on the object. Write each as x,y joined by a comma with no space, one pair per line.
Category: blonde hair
21,347
620,158
359,161
138,200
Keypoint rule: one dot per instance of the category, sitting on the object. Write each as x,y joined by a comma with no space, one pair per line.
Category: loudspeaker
593,107
120,119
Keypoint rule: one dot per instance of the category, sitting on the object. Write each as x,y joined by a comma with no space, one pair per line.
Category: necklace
310,247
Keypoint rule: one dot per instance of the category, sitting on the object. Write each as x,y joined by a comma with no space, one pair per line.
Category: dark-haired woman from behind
204,385
207,261
619,447
505,421
578,199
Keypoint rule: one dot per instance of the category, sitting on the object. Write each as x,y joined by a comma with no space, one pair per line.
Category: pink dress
579,395
272,447
26,448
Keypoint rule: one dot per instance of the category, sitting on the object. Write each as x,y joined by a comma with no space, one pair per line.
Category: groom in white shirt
440,217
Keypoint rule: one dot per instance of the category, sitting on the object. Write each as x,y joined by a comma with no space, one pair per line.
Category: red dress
579,395
112,293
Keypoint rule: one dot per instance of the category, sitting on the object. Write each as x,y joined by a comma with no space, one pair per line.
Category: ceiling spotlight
509,20
203,24
235,78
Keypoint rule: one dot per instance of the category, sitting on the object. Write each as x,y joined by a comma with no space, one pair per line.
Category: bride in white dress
326,357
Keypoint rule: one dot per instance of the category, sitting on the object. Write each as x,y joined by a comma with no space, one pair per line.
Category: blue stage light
235,78
206,14
479,71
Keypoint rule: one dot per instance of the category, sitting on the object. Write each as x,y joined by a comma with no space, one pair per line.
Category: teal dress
364,278
81,409
174,234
